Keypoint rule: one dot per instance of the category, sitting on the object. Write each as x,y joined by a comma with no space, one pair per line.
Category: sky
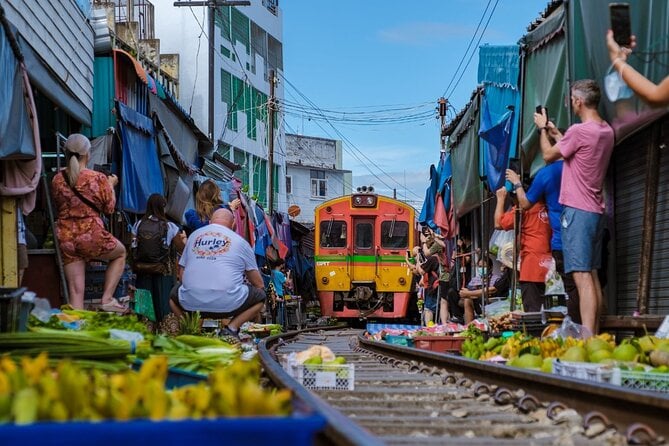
375,69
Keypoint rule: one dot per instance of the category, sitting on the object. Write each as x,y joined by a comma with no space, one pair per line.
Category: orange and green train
360,244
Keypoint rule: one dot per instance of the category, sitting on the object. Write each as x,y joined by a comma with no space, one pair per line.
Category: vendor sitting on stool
497,286
212,269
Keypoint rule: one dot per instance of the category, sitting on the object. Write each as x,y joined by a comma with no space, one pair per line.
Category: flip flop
114,306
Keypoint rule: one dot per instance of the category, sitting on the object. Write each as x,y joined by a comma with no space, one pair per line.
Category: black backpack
152,241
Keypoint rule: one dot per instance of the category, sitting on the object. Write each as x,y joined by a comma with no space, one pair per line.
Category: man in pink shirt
586,149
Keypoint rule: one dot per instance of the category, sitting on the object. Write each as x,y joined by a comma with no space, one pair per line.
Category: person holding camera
81,195
656,95
586,148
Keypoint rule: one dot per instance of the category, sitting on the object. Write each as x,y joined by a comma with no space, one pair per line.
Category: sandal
114,306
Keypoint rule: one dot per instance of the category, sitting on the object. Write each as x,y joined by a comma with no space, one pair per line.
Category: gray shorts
582,235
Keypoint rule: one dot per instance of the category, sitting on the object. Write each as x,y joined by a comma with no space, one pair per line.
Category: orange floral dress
80,230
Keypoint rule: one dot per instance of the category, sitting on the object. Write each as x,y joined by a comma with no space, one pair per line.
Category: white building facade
314,173
247,45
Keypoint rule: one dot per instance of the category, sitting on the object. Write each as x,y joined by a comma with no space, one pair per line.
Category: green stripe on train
359,258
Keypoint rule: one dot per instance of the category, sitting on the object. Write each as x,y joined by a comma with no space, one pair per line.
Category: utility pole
442,116
213,6
270,140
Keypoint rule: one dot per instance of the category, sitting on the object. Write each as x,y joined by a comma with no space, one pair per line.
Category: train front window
333,234
364,235
394,234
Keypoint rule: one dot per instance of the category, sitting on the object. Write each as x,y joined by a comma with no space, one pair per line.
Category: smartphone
620,23
541,107
408,253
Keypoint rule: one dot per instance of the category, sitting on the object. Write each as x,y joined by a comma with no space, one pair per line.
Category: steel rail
621,406
340,429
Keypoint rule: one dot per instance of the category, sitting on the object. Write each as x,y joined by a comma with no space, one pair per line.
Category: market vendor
498,285
213,268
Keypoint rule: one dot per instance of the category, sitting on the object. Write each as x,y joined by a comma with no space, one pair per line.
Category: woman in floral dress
80,230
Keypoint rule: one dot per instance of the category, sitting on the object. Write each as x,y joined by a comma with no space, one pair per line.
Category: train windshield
394,234
364,235
333,234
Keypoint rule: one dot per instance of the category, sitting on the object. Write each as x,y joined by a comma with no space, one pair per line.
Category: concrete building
314,173
247,45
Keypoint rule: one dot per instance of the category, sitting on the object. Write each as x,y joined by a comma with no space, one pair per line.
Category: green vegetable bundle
63,345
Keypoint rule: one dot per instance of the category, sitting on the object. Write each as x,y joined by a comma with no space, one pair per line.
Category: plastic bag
554,284
501,246
42,309
571,329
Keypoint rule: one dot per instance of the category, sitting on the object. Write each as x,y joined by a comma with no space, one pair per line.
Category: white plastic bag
501,247
554,284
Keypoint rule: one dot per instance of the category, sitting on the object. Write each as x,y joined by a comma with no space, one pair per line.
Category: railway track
405,396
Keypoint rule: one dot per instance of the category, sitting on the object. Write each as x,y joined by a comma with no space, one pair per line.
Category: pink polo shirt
586,149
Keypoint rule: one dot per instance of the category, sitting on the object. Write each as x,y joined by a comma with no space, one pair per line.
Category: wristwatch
517,186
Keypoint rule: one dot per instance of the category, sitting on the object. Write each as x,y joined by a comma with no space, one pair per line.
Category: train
359,253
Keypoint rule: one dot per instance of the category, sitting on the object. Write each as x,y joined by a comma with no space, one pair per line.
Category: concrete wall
313,151
58,31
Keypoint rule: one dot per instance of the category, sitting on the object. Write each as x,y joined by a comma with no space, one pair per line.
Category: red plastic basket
441,344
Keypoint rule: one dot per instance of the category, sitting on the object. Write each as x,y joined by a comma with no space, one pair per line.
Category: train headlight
325,280
402,281
370,201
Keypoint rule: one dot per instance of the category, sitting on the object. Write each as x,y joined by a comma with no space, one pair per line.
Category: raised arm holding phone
620,43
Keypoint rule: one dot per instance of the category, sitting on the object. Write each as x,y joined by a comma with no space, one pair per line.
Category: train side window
364,235
333,234
394,234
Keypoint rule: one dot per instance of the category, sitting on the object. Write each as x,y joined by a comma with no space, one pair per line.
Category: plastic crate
585,371
440,344
10,309
653,382
297,429
322,376
404,341
95,281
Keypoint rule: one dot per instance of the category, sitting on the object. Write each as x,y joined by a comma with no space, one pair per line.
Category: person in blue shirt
546,186
207,201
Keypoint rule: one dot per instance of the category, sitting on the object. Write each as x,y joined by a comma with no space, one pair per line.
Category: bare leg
114,271
443,311
588,304
427,316
75,273
469,310
175,309
600,299
245,316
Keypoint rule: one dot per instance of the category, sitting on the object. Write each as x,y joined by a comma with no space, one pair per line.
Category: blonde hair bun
78,143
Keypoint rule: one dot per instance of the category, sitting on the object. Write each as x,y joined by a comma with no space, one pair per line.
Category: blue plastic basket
293,430
176,377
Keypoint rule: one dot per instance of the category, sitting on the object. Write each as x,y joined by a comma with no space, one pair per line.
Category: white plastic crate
585,371
653,382
323,376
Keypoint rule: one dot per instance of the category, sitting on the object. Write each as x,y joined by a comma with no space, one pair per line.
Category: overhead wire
350,143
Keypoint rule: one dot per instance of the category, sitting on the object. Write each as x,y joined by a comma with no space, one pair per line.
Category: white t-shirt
215,260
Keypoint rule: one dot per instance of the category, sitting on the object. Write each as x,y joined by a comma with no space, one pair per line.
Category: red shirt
535,241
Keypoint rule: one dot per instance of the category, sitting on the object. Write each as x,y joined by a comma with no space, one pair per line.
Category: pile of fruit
526,351
31,390
319,355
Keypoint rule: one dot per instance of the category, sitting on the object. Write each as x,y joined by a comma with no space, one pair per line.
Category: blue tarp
499,73
439,185
16,133
141,175
496,134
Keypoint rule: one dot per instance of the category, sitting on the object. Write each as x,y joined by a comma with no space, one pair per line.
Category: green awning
464,148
